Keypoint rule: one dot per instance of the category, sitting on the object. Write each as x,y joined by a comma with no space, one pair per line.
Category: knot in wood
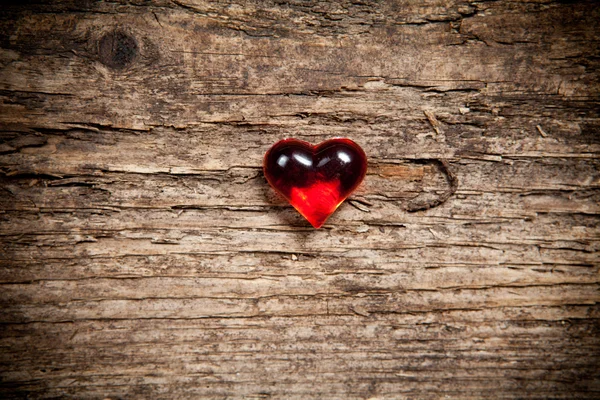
117,49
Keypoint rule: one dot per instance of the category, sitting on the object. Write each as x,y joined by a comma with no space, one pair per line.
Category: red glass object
315,179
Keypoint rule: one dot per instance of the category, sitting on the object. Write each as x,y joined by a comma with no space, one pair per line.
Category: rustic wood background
143,254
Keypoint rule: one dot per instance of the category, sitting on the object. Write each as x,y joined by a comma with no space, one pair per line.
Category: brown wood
143,254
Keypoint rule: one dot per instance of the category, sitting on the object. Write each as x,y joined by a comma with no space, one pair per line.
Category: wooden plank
143,254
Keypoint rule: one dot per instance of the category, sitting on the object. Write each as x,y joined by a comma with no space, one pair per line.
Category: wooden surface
143,254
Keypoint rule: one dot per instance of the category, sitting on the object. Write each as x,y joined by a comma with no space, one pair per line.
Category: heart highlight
315,179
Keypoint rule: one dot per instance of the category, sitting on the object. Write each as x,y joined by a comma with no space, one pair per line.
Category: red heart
315,179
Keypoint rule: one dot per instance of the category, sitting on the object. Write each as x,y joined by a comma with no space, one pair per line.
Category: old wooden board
143,255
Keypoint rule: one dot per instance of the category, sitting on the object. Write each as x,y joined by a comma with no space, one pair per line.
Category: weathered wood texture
143,255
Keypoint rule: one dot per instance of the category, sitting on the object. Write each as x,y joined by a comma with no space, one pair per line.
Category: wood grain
143,254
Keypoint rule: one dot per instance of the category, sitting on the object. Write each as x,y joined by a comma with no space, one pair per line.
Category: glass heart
315,179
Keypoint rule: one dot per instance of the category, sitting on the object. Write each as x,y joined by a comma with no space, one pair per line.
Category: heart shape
315,179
